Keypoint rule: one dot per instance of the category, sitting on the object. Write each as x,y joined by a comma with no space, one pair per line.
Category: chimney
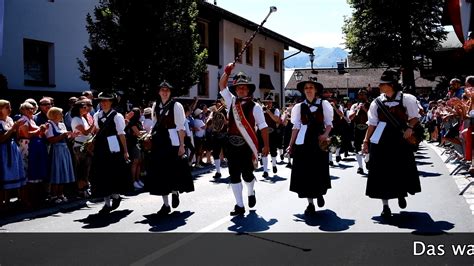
341,67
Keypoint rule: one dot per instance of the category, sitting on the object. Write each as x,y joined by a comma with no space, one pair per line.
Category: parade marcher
218,131
133,131
110,172
272,118
83,130
199,128
392,166
169,170
287,131
61,167
148,122
12,174
358,115
241,151
312,123
339,126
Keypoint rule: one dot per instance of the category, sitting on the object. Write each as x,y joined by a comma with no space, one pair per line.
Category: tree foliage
134,45
394,33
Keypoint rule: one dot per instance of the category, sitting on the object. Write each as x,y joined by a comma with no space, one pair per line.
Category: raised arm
225,77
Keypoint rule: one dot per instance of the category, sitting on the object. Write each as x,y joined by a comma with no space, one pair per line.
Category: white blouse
327,112
257,109
118,119
409,102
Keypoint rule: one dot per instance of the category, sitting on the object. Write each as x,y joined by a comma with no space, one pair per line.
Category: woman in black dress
110,172
393,171
169,169
312,120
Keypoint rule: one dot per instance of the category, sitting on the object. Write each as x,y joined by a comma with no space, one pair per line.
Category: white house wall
61,22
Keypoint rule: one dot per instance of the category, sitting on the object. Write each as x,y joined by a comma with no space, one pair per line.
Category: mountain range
324,58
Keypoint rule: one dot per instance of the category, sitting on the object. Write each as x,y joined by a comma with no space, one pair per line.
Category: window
203,31
249,55
276,62
261,57
38,61
237,49
203,85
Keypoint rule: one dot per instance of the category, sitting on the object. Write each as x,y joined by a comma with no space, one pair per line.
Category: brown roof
353,78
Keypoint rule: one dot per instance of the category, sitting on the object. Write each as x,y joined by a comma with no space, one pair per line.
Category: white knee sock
250,186
330,156
217,162
310,200
166,201
274,161
265,163
107,201
237,189
385,202
359,160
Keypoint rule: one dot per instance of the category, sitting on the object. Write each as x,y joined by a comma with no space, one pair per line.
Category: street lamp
311,59
298,75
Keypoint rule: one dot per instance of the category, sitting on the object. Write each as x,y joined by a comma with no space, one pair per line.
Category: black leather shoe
164,210
402,202
217,176
105,210
275,169
237,211
360,171
338,158
331,163
252,200
386,212
282,157
320,201
310,210
265,175
289,165
116,203
174,200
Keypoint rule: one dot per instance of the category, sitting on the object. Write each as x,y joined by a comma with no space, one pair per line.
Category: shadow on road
273,179
220,180
342,166
421,157
428,174
327,220
160,223
421,222
251,223
103,220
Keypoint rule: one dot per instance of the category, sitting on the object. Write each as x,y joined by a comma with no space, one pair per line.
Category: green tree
395,33
134,45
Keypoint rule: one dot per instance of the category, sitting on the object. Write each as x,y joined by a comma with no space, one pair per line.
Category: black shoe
164,210
282,157
275,169
237,211
217,176
265,175
360,171
338,158
402,202
174,200
386,212
310,210
289,165
105,210
320,201
331,163
116,203
252,200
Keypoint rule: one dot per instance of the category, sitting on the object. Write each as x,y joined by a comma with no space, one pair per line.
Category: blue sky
309,22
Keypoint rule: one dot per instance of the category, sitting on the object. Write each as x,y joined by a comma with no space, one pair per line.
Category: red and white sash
245,129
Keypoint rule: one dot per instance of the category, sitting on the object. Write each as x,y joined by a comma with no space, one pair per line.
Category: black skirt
167,171
392,168
310,173
110,173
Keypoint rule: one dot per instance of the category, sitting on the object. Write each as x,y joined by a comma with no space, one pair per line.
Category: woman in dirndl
392,166
61,170
312,123
169,169
12,175
34,153
110,172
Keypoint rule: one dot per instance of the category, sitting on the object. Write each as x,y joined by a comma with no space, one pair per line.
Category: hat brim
105,98
385,82
249,85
